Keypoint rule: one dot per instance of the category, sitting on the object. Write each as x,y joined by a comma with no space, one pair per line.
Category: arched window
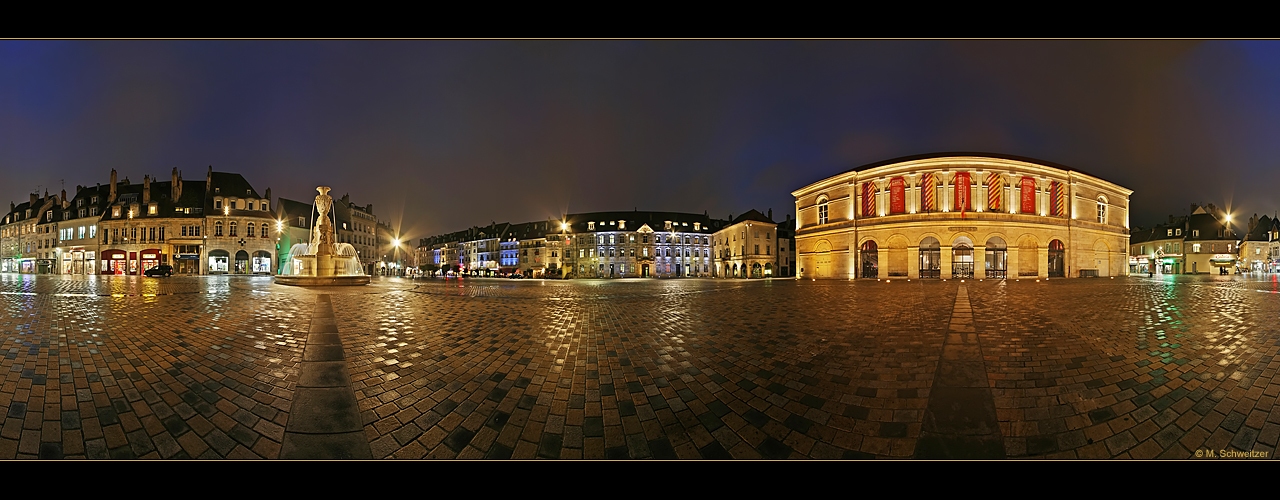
930,258
250,232
217,228
233,229
822,210
1057,259
997,260
1102,209
264,230
870,260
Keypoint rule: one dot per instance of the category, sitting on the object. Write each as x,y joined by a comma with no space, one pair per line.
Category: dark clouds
444,135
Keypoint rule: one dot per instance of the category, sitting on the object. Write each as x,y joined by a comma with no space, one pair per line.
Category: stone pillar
945,272
882,259
1013,261
1042,268
979,261
980,201
913,262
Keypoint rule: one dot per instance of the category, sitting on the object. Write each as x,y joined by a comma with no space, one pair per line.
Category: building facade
1257,251
1199,243
958,215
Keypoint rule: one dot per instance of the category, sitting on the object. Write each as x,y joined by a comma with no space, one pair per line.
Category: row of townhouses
216,225
1204,242
635,244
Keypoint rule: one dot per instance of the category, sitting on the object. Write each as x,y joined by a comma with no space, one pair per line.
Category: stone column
1013,260
979,261
913,262
882,259
1043,260
945,272
980,201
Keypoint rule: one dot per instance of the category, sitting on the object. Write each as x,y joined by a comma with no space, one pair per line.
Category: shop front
219,261
115,262
1140,265
261,262
27,266
1223,263
45,266
9,265
186,258
150,258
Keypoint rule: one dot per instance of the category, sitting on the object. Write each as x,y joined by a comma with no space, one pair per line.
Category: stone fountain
321,262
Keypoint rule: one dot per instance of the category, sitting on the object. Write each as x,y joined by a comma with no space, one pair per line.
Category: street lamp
395,243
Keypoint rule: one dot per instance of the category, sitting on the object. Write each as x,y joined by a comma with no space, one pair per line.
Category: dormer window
697,226
591,226
93,200
48,216
80,202
217,190
217,203
115,211
152,209
1177,232
1170,233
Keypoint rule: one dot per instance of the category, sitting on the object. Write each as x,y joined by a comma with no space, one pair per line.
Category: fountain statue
321,261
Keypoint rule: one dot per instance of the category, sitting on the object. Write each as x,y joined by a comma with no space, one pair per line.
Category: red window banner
868,199
897,196
962,192
928,192
1057,199
1028,195
995,187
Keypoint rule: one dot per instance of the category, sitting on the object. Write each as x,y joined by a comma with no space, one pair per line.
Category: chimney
175,186
146,189
268,195
111,196
34,197
65,202
208,182
770,215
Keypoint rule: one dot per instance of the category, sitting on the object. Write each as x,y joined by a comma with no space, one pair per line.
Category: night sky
443,135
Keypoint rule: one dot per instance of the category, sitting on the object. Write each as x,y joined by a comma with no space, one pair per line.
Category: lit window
822,210
1102,210
1195,248
1177,232
1170,233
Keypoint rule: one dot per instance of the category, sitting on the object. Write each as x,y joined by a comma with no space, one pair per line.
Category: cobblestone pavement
114,367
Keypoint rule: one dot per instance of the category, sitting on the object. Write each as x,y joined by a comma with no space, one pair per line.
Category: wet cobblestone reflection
115,367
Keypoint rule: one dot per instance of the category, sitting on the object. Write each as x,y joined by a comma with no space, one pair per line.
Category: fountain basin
322,280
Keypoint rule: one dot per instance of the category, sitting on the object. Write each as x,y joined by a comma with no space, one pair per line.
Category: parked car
160,270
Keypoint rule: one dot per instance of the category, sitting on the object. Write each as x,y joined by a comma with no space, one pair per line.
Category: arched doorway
930,258
768,270
996,258
261,262
242,262
219,261
1057,259
1102,258
870,256
757,270
962,258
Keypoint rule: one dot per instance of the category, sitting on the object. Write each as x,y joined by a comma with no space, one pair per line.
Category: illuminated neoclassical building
962,215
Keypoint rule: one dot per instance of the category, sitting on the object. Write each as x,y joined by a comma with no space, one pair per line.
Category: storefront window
218,264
